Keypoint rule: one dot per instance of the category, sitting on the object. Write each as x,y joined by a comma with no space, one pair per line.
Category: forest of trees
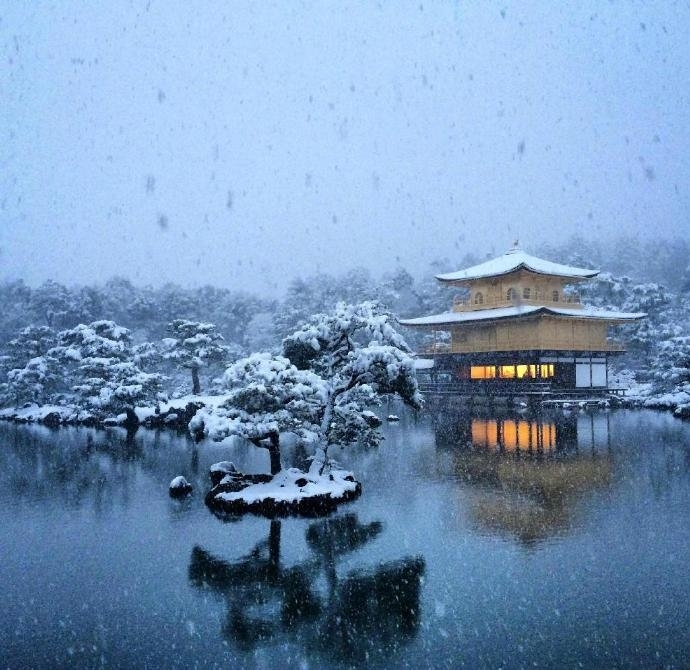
119,342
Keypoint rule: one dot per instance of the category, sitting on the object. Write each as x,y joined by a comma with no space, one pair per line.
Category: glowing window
483,372
478,298
546,370
526,371
508,371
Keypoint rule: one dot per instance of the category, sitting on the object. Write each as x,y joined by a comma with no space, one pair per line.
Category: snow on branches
333,369
107,376
266,396
194,344
325,341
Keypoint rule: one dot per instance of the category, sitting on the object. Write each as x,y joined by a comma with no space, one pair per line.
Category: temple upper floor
516,278
520,287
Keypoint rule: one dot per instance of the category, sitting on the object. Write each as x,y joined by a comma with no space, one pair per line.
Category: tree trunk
196,387
321,456
274,453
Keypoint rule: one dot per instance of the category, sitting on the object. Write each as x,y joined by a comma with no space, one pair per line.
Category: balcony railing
540,345
469,305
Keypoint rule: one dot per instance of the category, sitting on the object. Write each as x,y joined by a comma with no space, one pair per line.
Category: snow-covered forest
107,347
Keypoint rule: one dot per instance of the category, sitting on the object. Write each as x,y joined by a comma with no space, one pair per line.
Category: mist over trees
151,324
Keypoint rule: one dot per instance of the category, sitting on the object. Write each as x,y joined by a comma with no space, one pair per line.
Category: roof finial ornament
515,247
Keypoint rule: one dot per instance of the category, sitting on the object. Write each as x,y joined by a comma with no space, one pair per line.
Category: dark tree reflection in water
366,614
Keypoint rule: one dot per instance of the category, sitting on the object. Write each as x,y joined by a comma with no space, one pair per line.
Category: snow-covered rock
219,471
179,487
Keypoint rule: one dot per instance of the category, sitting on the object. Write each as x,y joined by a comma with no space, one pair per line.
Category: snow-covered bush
35,382
671,376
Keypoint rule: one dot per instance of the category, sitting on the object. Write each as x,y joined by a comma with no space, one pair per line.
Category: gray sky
242,144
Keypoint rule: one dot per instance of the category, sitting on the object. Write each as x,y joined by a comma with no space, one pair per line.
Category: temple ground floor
516,373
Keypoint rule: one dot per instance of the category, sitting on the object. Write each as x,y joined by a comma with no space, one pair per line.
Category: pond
504,540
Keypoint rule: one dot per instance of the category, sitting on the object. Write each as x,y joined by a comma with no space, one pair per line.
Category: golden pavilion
519,324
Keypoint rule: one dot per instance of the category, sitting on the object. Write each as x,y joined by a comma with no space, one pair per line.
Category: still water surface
479,541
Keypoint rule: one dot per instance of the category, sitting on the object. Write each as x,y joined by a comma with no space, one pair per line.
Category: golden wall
541,333
528,288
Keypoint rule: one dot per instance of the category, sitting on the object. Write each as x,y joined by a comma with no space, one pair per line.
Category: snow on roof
513,260
452,318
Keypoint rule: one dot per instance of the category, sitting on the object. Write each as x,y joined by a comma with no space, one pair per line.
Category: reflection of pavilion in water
512,434
527,476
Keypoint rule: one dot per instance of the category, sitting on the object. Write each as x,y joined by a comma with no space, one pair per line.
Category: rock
179,487
131,419
301,482
371,419
219,470
52,420
174,417
393,417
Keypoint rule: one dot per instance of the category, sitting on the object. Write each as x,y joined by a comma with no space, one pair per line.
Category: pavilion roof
514,260
518,311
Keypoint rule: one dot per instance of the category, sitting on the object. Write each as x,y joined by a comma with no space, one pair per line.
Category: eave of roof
516,312
515,260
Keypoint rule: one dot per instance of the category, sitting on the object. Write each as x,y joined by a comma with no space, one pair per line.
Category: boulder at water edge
179,487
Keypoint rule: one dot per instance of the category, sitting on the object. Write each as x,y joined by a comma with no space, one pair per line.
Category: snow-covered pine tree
335,367
107,378
266,396
36,382
31,372
193,345
361,357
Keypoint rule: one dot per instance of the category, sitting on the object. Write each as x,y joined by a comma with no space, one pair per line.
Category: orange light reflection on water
513,434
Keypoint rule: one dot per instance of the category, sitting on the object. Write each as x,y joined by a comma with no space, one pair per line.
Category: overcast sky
242,144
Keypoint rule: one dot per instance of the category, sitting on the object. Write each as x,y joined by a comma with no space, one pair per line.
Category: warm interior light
523,434
521,371
483,372
485,433
510,440
546,370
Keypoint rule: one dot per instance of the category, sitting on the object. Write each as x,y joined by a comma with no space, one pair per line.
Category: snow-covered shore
175,413
639,394
178,412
